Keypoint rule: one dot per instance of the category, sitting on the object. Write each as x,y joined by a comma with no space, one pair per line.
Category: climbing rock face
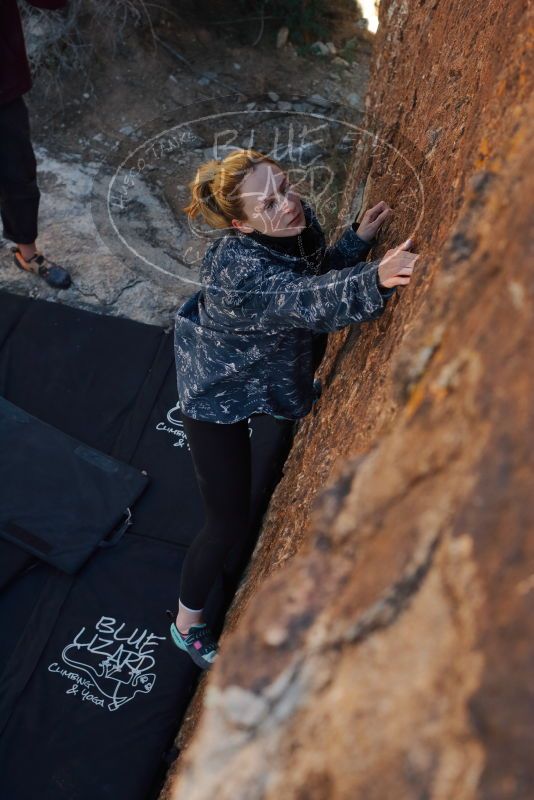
381,645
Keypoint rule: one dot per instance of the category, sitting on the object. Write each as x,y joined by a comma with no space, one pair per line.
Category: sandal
53,274
199,642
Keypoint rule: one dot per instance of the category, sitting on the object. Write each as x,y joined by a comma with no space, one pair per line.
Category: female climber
247,342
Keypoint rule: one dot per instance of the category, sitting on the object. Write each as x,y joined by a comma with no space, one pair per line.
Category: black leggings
221,456
222,461
19,193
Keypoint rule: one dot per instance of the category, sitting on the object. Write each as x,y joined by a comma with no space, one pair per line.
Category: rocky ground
155,78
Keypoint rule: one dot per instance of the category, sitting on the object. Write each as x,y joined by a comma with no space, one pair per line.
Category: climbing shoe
52,273
199,642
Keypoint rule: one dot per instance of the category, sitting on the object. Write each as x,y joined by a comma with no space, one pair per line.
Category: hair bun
211,169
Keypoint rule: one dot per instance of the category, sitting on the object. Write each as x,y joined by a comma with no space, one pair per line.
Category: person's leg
222,462
319,343
19,193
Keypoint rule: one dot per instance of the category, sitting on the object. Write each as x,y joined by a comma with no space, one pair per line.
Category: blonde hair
215,187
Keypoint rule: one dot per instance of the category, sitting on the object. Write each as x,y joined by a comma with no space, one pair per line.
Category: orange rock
381,646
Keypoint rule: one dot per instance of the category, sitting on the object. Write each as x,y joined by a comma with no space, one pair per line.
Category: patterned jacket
243,342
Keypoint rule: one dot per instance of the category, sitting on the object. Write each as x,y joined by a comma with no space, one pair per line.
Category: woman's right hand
396,267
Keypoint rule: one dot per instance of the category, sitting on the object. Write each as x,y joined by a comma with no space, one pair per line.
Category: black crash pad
92,690
59,498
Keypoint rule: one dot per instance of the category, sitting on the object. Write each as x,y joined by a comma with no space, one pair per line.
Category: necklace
313,263
316,259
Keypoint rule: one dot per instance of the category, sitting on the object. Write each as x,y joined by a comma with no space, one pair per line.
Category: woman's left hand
372,220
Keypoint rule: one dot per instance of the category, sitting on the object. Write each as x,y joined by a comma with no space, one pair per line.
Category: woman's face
271,206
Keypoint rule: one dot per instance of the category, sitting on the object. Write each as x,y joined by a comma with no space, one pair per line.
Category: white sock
194,610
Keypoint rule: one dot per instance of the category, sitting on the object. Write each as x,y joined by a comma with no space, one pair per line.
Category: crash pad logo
108,666
174,426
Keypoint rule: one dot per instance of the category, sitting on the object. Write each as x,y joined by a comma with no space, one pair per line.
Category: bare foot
27,250
183,628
